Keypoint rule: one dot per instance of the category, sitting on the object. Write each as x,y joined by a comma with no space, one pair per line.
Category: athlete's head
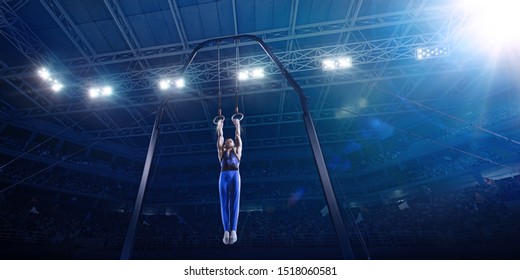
229,143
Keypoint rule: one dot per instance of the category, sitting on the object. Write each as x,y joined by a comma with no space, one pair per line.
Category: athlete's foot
233,238
226,238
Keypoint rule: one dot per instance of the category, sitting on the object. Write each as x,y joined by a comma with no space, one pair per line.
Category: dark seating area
481,215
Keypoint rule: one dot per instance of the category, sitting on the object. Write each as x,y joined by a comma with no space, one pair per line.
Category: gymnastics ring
238,116
218,118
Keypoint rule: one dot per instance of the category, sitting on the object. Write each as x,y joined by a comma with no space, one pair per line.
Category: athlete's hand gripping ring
218,118
239,116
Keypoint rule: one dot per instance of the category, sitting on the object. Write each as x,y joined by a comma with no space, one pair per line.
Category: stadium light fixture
166,84
431,52
44,73
337,63
56,86
247,74
179,83
96,92
46,76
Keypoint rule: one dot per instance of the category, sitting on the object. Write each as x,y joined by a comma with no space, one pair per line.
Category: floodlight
242,75
431,52
94,92
44,73
179,83
255,73
164,84
344,62
328,64
106,91
56,86
336,63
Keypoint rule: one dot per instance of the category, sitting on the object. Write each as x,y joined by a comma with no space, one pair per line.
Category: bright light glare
344,62
56,86
164,84
44,73
493,23
179,83
106,91
242,75
336,63
97,92
255,73
328,64
425,53
94,92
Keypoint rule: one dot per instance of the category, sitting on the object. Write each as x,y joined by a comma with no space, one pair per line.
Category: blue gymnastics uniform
229,189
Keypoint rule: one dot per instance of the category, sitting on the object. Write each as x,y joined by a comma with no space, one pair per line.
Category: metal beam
178,23
132,227
391,49
381,66
292,23
321,79
362,51
350,19
235,21
42,102
70,29
38,53
131,40
428,14
20,35
330,114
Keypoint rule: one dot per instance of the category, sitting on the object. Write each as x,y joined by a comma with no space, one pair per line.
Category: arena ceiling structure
419,84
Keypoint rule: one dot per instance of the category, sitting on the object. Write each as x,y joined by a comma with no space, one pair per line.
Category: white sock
233,238
226,238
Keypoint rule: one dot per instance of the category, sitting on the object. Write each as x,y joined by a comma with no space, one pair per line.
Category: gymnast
229,154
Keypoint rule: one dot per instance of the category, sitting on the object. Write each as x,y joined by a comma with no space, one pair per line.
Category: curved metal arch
330,197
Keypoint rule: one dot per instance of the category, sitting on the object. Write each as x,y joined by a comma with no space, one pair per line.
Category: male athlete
229,154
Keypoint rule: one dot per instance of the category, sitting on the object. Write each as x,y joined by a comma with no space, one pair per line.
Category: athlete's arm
238,139
220,139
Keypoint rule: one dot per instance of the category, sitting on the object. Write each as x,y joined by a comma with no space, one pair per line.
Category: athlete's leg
223,183
234,205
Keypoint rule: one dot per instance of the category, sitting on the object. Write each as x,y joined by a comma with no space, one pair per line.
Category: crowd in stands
456,162
471,208
70,181
246,172
486,119
251,191
76,157
380,158
439,168
301,223
102,187
295,219
417,173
